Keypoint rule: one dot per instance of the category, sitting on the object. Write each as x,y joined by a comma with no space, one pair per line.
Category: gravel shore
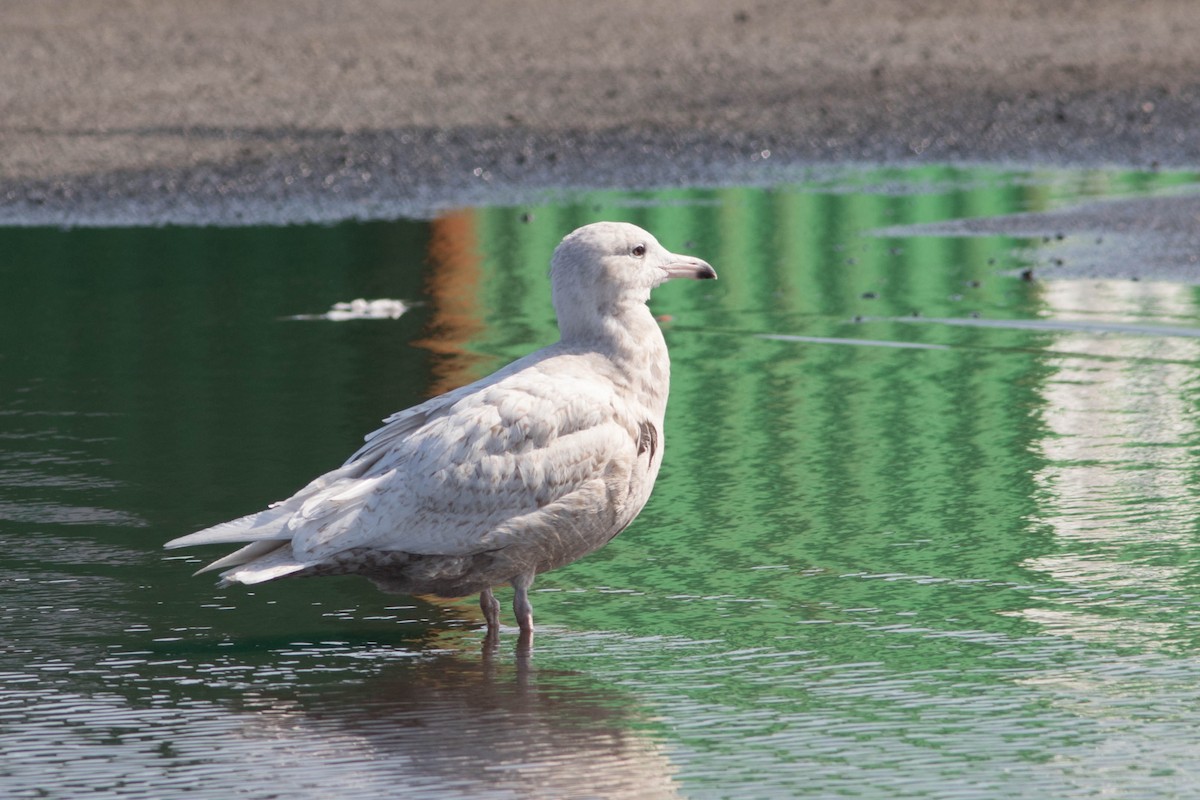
156,111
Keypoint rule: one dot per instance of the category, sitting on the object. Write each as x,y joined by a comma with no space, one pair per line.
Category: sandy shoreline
273,111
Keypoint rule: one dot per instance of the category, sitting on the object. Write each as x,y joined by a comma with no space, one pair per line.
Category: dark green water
945,555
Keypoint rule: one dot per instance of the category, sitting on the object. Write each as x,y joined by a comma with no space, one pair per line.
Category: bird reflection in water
455,724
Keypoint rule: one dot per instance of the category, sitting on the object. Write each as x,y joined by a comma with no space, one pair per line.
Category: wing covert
449,486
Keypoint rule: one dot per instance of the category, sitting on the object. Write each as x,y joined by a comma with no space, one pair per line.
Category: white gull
521,472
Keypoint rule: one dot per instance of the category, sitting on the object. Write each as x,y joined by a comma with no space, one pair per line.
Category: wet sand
155,111
1145,238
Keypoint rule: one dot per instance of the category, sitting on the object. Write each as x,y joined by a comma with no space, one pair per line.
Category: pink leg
491,610
521,605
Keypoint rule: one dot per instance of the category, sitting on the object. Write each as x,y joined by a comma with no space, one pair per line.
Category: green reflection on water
961,564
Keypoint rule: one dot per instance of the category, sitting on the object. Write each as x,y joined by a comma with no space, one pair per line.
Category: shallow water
924,528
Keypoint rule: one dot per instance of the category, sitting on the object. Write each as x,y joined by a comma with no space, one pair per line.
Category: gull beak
687,267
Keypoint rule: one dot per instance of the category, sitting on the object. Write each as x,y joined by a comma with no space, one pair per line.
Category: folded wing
476,471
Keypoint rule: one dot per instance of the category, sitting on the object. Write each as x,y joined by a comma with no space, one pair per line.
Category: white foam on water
360,308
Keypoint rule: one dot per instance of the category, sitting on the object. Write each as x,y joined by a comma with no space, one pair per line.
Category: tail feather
243,555
273,565
268,524
271,523
265,535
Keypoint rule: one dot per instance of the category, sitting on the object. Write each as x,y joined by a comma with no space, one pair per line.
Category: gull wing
458,484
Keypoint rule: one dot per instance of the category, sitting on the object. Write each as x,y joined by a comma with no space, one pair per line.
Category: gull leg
521,605
491,609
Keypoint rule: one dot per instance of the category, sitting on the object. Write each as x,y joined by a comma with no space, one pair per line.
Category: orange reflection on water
453,286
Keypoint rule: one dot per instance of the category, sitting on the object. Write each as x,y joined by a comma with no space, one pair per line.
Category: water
946,555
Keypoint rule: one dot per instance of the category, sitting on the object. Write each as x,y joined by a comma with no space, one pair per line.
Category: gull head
604,267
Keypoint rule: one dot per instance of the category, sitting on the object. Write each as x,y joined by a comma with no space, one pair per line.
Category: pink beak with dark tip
694,268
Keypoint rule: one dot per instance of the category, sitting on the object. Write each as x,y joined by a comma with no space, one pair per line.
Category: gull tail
266,537
269,524
268,554
258,567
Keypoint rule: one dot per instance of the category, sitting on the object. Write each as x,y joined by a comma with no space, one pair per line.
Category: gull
524,471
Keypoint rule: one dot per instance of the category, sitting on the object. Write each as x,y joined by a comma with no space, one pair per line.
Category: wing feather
447,487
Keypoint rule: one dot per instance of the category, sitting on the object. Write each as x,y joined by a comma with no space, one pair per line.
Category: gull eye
638,250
